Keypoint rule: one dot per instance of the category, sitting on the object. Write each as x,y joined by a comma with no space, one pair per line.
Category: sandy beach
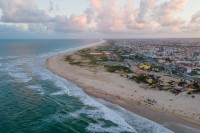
99,83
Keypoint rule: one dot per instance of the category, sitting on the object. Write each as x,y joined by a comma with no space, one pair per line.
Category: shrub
104,58
112,69
142,78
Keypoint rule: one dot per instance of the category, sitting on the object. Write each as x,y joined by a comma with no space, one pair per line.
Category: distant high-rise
161,49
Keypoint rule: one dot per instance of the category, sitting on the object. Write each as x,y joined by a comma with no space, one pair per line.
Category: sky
87,19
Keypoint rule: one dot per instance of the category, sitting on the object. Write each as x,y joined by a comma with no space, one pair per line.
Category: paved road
185,76
169,69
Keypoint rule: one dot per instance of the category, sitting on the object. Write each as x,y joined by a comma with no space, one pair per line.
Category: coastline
58,66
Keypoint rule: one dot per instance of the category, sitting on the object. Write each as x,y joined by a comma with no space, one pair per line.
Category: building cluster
178,56
171,66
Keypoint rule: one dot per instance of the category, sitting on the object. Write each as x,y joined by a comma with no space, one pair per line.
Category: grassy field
194,73
113,69
86,59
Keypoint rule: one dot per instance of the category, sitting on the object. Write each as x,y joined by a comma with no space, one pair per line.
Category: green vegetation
72,61
104,58
141,78
168,59
194,73
76,63
175,73
69,58
197,87
157,68
105,46
141,58
182,83
179,75
85,54
120,58
112,69
197,90
197,79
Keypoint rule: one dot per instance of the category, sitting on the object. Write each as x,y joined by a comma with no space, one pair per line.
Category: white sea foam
100,112
59,117
12,57
37,88
104,113
99,128
139,123
124,122
22,77
62,92
124,119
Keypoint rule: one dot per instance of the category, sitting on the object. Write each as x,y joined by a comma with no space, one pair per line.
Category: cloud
90,15
4,29
196,17
22,11
194,24
165,13
37,28
108,16
145,7
111,16
53,7
65,24
102,16
26,11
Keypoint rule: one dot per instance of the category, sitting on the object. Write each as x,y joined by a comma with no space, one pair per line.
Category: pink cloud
104,16
65,24
112,17
196,17
194,24
22,11
165,13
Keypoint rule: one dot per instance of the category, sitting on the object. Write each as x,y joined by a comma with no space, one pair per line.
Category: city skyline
99,19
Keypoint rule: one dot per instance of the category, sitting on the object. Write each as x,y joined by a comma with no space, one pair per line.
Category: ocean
34,100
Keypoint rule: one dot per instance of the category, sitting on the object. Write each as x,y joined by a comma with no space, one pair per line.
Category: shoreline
162,117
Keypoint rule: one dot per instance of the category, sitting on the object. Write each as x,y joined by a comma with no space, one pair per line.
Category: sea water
32,99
